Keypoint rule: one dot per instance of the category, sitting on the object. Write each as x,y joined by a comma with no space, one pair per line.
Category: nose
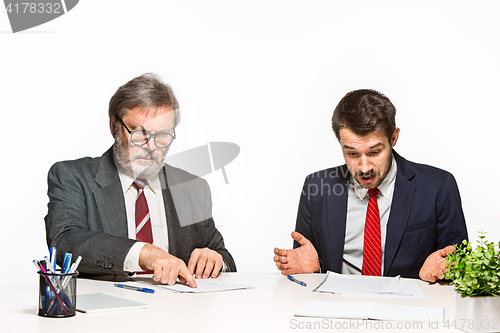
150,145
364,164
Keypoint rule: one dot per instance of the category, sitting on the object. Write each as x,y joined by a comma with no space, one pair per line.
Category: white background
265,75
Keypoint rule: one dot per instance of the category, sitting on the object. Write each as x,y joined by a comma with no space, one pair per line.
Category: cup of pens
57,294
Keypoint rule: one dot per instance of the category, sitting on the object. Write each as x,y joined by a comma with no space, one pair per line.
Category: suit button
98,263
110,265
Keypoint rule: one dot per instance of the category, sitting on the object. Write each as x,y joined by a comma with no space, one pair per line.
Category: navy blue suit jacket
426,215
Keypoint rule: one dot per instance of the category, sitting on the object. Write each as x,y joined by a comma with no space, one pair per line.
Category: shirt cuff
131,263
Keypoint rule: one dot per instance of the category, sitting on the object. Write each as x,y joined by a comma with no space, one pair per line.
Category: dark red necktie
143,230
372,256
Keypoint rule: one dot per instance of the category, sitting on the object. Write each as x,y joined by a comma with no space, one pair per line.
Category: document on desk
374,285
378,311
203,286
102,302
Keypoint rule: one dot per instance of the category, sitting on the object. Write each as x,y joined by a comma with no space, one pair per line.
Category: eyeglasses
141,137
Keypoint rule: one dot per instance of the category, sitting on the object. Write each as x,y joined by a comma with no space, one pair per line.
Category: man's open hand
303,259
435,264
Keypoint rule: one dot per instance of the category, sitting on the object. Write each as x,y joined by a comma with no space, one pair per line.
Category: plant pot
477,314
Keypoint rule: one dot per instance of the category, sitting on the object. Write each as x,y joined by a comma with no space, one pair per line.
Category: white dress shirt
154,198
357,204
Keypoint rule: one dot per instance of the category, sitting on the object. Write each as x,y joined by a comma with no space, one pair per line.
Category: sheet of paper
341,310
334,310
204,286
409,289
406,313
101,302
342,283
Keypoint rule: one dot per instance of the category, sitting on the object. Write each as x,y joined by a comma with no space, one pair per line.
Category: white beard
131,164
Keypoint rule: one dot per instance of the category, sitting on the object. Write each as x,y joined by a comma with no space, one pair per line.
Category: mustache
368,174
144,154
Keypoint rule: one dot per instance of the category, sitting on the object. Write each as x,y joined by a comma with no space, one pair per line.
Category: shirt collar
153,182
386,187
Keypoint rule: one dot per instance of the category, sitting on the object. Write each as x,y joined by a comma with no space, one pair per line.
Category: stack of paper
374,285
377,311
203,286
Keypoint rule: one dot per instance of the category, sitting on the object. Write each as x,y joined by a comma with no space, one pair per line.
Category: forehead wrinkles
151,119
351,141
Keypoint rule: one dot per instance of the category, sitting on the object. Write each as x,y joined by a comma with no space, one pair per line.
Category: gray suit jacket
87,216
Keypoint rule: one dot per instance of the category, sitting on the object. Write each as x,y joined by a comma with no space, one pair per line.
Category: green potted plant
475,274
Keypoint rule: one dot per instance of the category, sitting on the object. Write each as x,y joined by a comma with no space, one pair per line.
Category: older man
127,211
378,214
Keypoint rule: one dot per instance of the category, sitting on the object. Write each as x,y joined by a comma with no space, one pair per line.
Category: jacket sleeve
213,237
73,224
451,227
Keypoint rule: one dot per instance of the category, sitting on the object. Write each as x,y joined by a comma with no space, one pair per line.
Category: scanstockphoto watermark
325,187
361,324
26,14
332,181
321,183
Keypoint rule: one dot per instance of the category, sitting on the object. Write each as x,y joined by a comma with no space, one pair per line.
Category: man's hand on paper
303,259
435,264
205,263
166,267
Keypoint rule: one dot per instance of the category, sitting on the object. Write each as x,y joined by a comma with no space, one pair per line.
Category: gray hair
145,91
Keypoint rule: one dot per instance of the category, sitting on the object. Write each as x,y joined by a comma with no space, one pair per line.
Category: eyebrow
163,131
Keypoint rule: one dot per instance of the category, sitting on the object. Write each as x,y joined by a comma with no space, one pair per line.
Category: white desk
267,307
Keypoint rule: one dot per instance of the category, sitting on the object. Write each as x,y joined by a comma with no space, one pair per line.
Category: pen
42,265
71,271
145,290
291,278
48,264
66,263
53,257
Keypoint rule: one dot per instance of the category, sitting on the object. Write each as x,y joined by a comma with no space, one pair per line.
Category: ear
394,137
112,125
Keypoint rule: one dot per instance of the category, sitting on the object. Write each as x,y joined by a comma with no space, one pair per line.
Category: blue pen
144,290
291,278
66,263
53,257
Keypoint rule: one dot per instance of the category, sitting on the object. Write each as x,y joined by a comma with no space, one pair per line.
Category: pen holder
57,294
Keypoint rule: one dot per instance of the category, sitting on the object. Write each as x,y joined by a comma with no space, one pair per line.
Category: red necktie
371,247
143,231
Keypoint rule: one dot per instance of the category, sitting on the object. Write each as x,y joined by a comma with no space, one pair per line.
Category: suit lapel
109,197
337,213
402,201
